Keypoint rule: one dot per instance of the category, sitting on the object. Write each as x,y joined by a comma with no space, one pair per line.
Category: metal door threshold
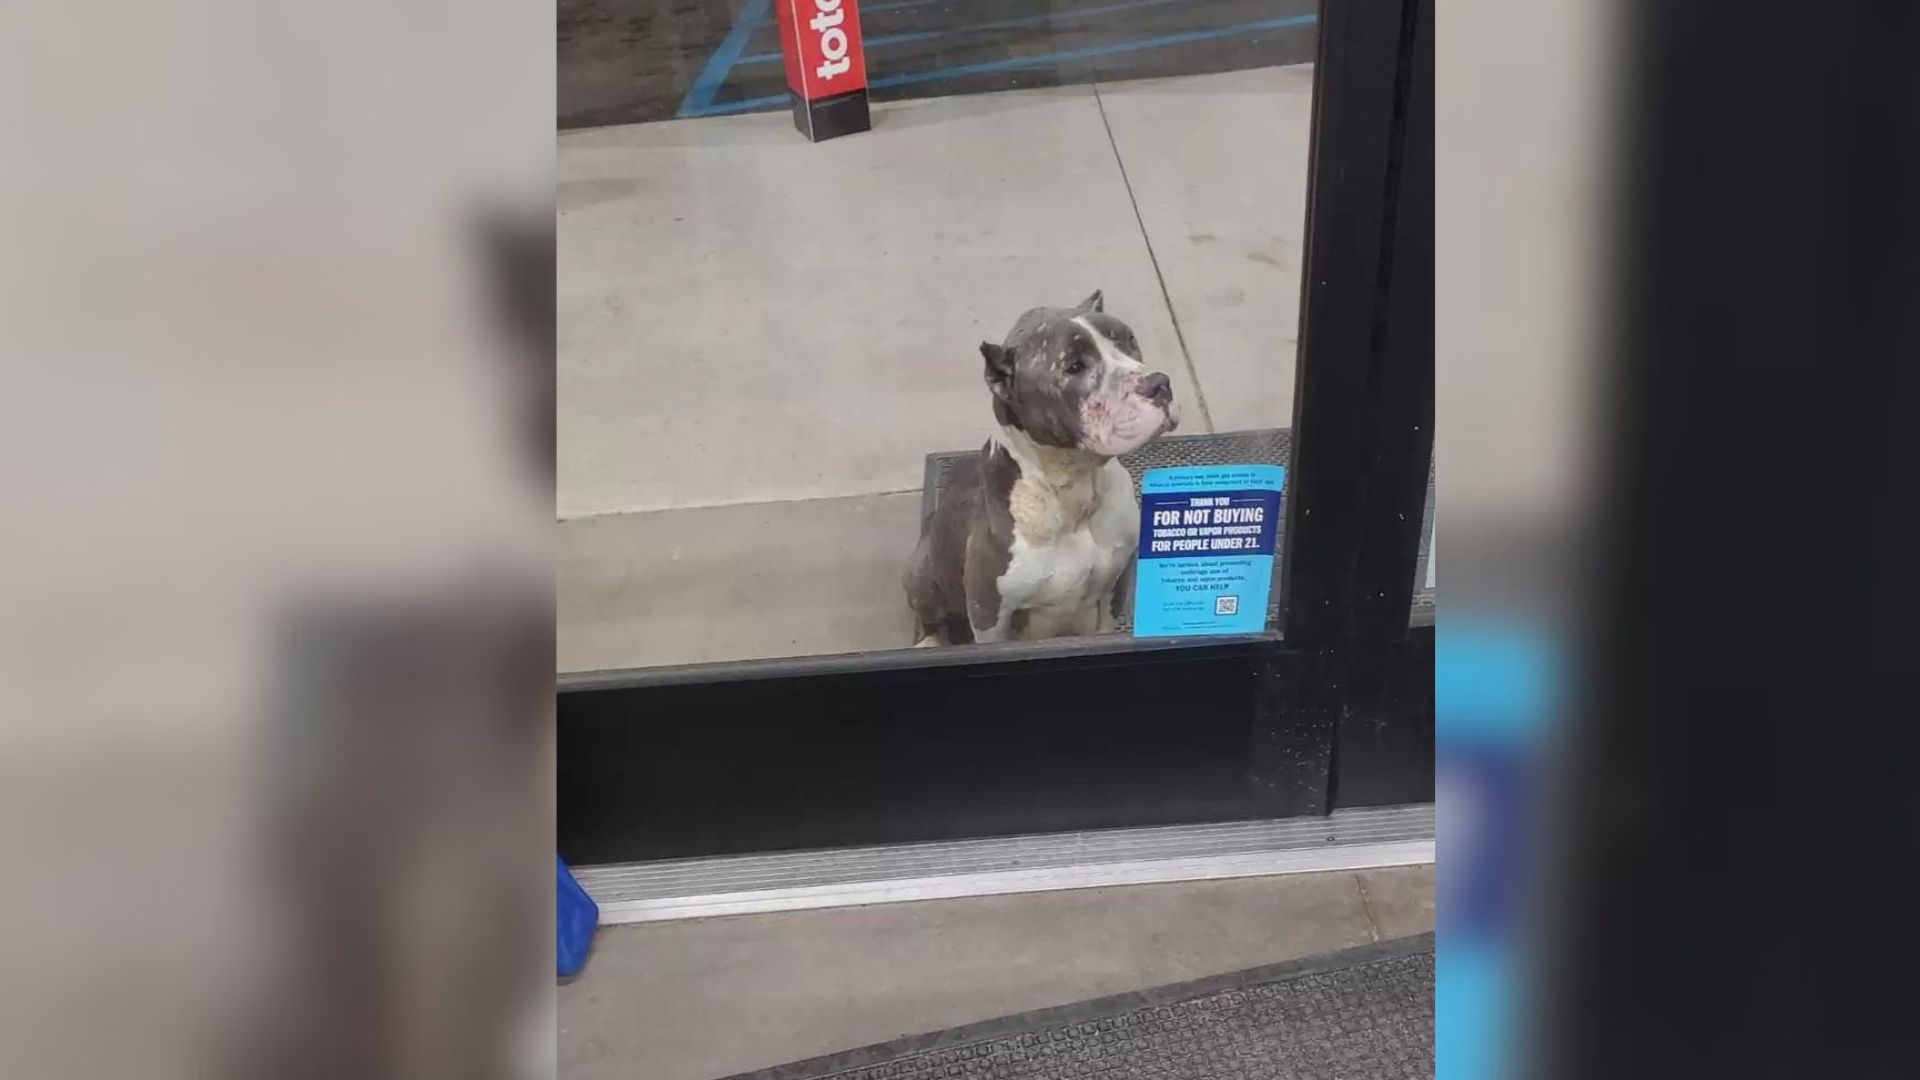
742,884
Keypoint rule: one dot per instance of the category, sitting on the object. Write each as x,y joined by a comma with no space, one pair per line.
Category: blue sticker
1206,549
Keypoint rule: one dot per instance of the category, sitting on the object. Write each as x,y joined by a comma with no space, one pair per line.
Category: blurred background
1676,256
275,566
275,562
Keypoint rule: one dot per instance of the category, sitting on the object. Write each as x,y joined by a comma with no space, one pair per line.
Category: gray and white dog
1036,533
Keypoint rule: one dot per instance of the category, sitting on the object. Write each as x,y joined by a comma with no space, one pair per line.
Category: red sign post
826,66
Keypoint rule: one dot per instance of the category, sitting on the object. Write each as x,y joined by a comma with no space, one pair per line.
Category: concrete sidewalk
704,998
760,339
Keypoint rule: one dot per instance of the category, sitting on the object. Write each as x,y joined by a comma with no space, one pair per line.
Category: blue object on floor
574,917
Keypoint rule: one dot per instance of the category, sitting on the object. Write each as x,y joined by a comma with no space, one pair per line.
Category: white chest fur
1072,538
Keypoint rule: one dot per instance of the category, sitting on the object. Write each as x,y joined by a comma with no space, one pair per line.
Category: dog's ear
1094,303
999,369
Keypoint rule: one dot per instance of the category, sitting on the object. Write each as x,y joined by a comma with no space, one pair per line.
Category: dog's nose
1156,388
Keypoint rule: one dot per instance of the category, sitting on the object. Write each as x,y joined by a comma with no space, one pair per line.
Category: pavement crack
1186,355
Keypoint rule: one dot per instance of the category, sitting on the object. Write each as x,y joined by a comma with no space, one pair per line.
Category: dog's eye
1076,365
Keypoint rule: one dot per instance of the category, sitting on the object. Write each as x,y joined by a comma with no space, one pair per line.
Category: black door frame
921,744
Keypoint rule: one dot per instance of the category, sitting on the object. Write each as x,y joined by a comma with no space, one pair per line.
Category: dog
1035,537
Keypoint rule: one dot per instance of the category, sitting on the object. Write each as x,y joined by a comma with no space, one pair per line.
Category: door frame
1334,709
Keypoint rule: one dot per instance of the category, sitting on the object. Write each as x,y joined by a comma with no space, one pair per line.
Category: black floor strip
1361,1014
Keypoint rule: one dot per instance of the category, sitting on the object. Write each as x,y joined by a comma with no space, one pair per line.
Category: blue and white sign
1206,549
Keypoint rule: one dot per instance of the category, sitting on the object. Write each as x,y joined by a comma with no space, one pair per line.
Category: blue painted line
1090,52
718,66
727,108
868,9
998,24
1019,63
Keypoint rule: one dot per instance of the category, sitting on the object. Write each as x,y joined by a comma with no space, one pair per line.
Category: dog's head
1072,377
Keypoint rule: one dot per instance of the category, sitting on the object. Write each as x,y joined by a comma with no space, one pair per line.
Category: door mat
1361,1014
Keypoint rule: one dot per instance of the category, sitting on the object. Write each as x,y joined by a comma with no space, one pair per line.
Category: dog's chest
1070,543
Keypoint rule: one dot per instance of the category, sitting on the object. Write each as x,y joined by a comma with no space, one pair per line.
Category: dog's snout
1156,388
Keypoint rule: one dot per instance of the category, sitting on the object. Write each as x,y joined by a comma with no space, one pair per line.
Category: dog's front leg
1001,630
990,617
1116,602
1085,621
989,614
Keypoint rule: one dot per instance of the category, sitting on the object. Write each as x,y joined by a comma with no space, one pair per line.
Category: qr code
1226,605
